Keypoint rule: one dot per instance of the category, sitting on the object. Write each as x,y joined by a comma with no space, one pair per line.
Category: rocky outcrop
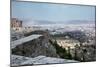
21,60
36,47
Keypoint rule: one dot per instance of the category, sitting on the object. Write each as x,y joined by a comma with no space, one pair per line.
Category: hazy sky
52,12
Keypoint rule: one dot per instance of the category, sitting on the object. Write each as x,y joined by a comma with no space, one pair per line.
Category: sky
52,12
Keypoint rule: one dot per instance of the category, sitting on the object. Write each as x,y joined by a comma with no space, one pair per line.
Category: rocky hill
35,47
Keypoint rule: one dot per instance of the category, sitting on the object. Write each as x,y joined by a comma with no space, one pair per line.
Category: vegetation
69,54
62,52
76,54
78,35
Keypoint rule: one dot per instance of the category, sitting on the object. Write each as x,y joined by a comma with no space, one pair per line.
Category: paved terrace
23,40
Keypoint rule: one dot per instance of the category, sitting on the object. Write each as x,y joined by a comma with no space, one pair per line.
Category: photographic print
52,33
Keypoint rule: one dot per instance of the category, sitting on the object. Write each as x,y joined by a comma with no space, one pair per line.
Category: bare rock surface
22,60
23,40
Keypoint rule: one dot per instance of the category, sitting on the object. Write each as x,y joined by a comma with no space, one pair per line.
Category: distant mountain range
81,22
44,22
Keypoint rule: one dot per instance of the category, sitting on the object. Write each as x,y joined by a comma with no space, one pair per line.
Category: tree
61,51
69,54
76,47
84,51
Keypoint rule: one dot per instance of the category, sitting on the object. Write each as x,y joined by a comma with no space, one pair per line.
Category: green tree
76,47
84,51
61,51
69,54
